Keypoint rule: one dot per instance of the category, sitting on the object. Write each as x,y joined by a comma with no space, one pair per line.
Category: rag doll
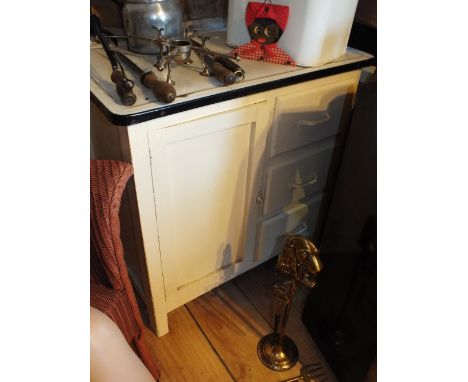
266,23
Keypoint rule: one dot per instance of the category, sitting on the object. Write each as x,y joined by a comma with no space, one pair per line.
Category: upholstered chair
111,288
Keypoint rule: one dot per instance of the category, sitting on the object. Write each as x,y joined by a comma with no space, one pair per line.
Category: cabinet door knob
259,199
313,180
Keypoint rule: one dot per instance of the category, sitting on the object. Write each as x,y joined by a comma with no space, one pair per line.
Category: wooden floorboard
234,327
214,337
184,354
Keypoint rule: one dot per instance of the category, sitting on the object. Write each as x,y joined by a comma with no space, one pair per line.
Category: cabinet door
202,177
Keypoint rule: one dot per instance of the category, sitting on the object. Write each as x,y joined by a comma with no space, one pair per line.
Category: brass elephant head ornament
299,259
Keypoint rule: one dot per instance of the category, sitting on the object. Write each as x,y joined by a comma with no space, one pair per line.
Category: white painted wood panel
201,177
146,213
300,219
208,185
297,176
313,114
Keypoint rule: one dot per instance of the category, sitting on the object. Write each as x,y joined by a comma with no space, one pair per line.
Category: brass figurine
299,260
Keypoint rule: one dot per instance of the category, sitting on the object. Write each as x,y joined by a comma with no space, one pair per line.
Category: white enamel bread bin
317,31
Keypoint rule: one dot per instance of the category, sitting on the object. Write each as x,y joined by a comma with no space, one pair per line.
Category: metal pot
143,18
182,50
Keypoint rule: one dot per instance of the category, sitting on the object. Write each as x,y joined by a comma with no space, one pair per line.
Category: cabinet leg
161,323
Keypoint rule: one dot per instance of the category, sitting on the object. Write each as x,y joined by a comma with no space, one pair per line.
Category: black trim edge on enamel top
131,119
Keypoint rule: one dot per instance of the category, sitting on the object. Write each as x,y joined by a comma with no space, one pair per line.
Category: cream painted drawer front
297,177
311,115
300,219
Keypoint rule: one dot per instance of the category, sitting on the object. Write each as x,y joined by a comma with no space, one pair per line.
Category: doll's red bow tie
271,53
256,47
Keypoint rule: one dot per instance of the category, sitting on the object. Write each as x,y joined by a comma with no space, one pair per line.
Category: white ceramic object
237,33
317,31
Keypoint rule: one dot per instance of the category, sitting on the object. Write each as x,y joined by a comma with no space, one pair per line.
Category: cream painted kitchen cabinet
218,186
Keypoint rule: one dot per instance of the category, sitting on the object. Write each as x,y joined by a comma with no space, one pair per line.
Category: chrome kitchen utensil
211,67
313,372
223,59
162,90
299,260
144,18
182,50
123,85
179,52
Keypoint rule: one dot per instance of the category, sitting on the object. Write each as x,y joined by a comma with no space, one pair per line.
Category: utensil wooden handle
163,91
228,64
222,74
125,92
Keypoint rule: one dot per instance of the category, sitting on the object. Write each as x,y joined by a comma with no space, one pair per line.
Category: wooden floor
214,337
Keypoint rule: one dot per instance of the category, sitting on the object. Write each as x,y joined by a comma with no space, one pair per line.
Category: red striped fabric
111,288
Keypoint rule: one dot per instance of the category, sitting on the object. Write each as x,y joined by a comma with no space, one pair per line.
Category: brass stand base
277,355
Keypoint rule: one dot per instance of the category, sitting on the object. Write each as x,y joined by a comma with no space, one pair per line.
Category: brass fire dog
299,260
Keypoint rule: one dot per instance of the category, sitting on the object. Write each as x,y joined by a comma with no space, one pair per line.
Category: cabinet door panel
201,171
207,198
